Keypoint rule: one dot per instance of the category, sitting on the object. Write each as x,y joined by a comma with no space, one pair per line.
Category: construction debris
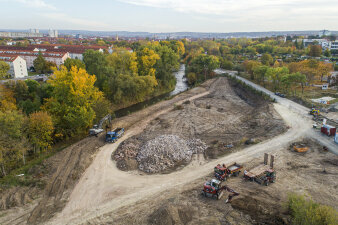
167,151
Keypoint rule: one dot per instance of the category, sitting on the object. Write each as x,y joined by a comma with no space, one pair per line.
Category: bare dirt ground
228,115
103,194
296,172
60,173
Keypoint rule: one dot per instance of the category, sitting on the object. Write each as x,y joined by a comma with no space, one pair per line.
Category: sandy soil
61,172
103,191
104,188
230,114
256,204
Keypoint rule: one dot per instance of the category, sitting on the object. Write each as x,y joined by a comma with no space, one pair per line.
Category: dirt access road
295,107
103,188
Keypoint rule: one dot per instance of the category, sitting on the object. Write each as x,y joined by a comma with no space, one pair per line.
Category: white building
334,45
18,67
56,57
53,33
322,42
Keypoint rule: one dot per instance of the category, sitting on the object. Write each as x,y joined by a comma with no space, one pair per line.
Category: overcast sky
170,15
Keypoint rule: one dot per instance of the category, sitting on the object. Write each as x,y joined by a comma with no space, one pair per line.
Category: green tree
96,64
192,78
327,53
72,100
74,62
276,74
249,67
39,63
204,64
267,59
4,68
308,212
260,73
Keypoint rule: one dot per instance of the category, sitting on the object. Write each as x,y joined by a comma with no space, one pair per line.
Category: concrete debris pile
127,150
167,151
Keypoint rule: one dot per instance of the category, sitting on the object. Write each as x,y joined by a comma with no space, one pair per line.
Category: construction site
168,156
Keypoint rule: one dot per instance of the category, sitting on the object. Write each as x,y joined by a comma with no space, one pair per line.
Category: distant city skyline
170,15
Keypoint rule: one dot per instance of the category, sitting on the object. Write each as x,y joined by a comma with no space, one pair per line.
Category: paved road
293,106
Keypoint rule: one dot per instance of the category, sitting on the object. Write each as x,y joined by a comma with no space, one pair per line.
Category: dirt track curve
103,188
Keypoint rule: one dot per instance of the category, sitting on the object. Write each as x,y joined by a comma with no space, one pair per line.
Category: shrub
308,212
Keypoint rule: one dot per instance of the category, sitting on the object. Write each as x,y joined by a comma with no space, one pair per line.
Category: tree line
34,116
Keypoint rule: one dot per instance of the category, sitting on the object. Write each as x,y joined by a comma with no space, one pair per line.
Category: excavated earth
313,173
225,120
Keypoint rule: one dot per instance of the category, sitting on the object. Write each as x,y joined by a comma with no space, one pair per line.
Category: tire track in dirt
55,193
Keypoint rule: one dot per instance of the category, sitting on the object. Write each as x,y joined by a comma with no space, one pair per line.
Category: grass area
300,97
307,212
32,73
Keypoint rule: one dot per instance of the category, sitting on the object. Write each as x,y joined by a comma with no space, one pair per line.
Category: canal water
181,85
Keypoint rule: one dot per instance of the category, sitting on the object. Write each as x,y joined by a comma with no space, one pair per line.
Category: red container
328,130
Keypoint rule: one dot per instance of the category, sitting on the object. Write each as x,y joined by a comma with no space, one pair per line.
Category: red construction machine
223,172
262,174
214,189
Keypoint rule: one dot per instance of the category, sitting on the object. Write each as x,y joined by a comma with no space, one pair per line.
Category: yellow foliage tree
72,99
40,129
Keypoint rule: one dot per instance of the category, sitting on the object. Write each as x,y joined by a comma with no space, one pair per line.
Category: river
181,85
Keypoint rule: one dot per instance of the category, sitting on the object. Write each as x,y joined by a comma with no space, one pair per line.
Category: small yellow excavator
314,112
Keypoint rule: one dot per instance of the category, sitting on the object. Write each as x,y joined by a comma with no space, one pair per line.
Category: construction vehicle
97,128
214,189
222,172
314,112
112,136
262,174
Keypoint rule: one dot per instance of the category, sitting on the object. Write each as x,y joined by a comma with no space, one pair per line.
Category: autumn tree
249,67
4,67
146,61
40,129
315,51
72,100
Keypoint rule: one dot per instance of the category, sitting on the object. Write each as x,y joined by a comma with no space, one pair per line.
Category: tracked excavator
214,189
97,128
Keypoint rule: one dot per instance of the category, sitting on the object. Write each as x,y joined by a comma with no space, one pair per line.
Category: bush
192,78
308,212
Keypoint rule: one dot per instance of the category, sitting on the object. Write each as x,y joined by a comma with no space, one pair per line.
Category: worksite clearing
228,116
313,173
141,180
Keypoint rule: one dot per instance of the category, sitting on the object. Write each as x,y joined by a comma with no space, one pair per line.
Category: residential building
18,67
322,42
57,57
20,34
334,45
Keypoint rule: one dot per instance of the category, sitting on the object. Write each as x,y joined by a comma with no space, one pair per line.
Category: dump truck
262,174
214,189
223,172
112,136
